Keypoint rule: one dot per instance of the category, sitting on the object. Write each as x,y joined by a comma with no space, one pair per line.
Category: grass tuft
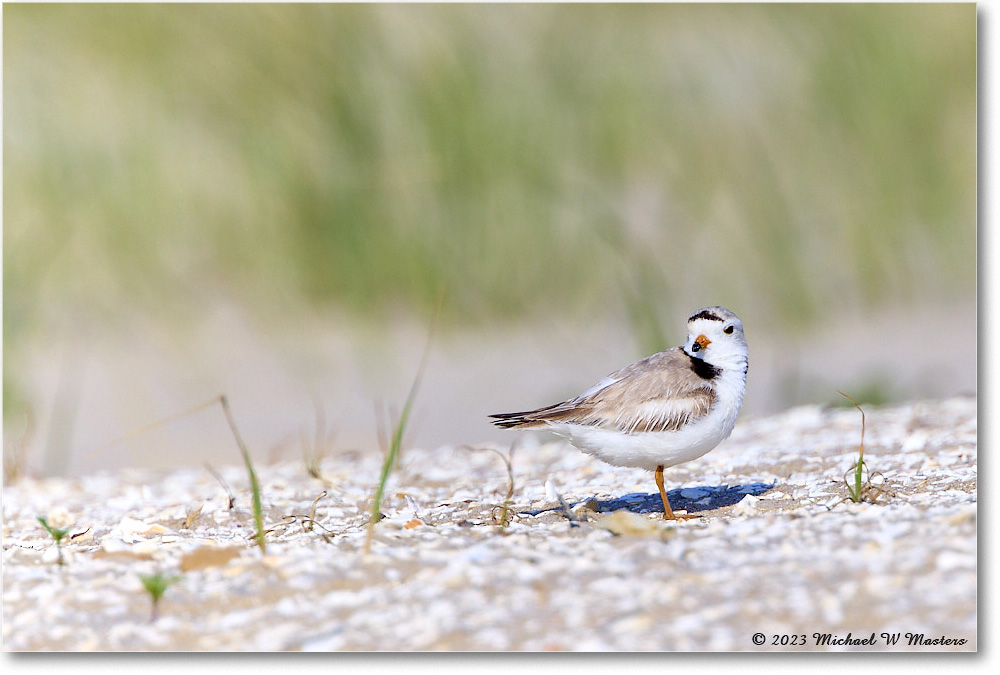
57,534
156,585
859,467
862,485
397,436
258,509
191,515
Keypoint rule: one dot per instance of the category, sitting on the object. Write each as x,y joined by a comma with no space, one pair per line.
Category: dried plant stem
505,512
222,481
508,461
154,425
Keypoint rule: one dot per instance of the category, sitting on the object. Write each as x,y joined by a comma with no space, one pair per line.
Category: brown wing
660,393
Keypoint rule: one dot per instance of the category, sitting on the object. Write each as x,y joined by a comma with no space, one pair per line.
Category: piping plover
666,409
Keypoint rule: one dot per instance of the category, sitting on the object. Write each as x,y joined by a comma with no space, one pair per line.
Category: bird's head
715,335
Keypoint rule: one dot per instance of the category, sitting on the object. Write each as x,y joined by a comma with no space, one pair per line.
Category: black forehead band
705,314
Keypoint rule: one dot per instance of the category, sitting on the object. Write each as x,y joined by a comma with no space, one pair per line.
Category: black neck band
705,371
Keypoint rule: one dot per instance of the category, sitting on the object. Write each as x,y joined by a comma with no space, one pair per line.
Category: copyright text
852,640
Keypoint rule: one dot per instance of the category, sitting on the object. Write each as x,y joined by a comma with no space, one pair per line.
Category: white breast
648,450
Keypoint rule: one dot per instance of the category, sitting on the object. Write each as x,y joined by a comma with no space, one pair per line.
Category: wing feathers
660,393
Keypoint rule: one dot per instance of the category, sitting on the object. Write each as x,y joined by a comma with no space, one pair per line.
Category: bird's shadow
690,499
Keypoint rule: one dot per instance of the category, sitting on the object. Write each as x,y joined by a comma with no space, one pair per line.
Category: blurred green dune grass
525,160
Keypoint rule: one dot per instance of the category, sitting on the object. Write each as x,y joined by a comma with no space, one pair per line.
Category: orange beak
702,341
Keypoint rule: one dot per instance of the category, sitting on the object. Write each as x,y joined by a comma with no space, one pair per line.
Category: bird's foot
680,516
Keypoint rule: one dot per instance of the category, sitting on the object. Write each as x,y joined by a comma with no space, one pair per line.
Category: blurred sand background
267,202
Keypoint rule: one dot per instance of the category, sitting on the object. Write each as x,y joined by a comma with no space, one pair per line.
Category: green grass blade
56,533
859,467
258,509
397,434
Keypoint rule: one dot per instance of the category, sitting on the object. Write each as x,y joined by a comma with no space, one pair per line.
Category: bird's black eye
729,330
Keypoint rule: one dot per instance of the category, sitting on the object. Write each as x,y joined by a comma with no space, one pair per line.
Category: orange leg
668,513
